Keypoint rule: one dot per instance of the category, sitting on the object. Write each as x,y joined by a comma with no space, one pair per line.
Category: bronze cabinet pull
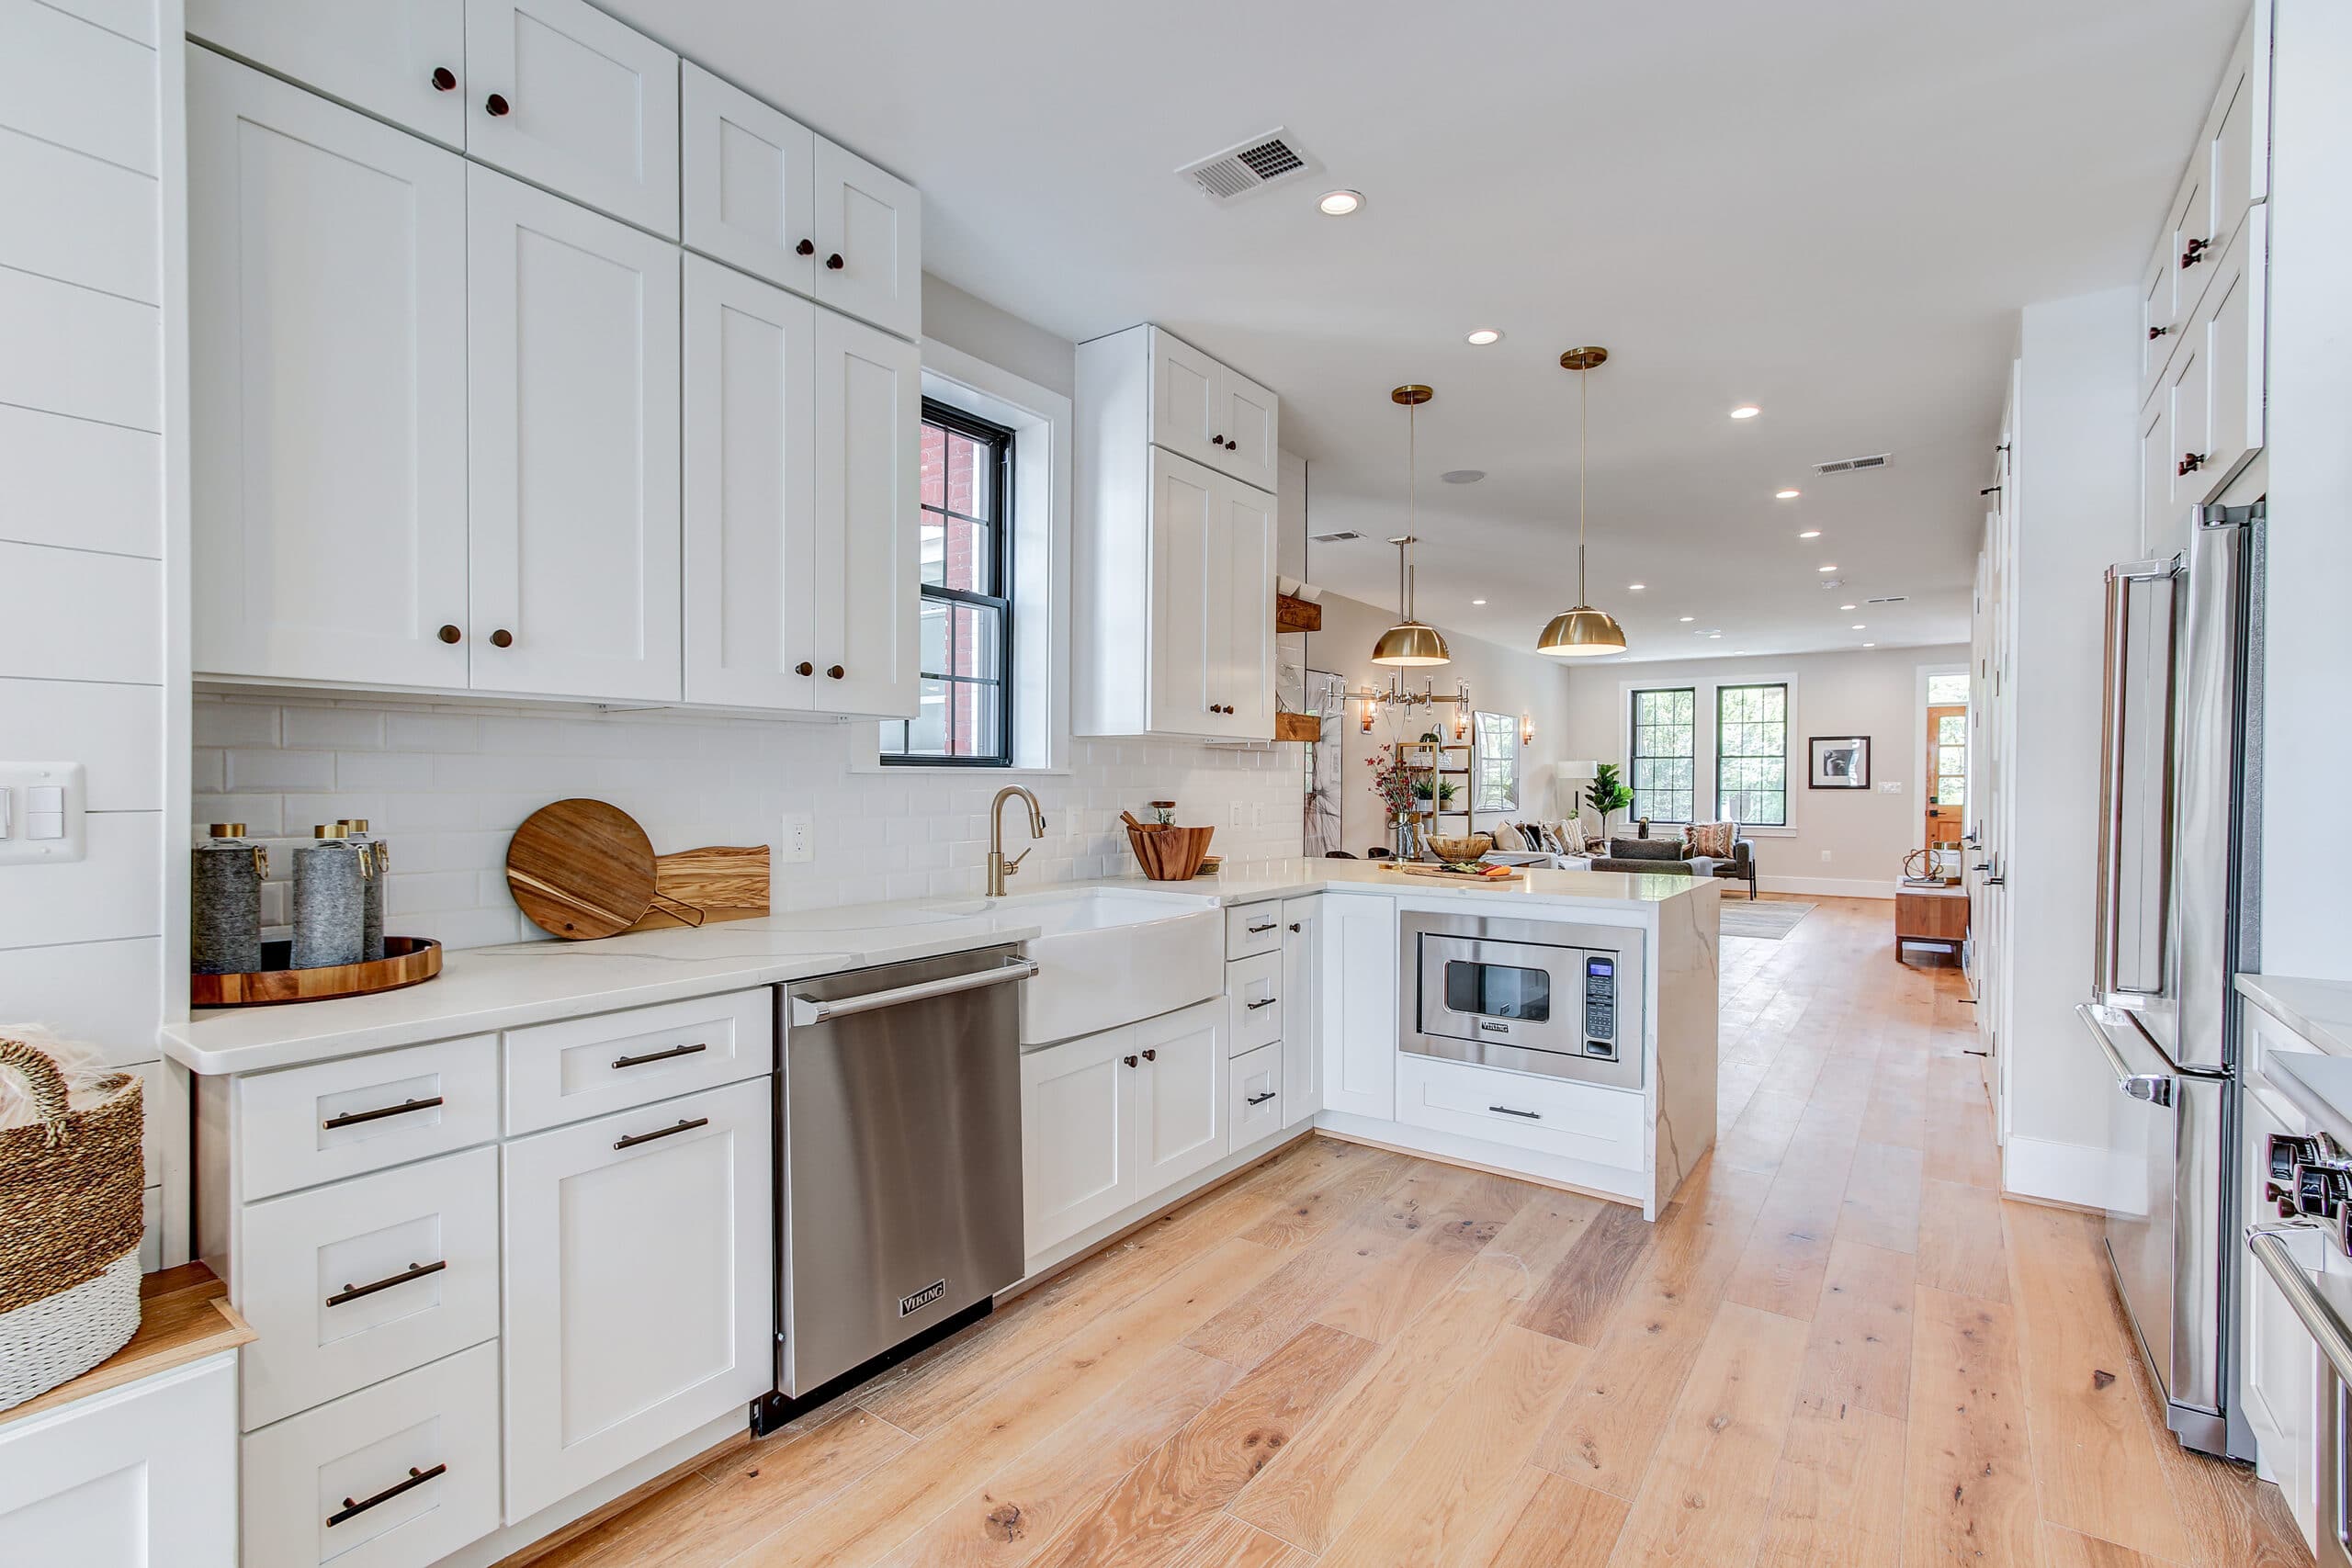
675,1051
1260,1099
836,671
635,1138
502,637
1293,925
413,1271
450,634
415,1478
353,1118
1255,931
1265,1002
1151,1055
804,248
804,668
1128,1060
833,262
1507,1110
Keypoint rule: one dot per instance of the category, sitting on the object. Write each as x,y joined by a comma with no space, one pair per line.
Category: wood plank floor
1839,1347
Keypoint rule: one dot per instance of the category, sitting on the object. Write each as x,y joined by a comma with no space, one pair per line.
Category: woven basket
70,1225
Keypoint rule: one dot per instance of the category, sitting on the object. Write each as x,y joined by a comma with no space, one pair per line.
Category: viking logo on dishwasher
1491,1027
909,1305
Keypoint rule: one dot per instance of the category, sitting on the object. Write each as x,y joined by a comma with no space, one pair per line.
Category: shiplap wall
89,107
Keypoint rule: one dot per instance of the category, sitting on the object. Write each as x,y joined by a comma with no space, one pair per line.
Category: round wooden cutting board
580,869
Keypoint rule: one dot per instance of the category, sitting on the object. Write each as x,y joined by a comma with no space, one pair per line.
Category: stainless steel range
1561,999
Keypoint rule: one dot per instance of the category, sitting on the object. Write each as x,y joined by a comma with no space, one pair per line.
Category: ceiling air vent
1342,535
1250,165
1853,464
1890,599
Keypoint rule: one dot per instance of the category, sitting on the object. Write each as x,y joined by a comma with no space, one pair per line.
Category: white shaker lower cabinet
573,451
142,1476
1179,1107
327,348
569,98
868,584
404,59
2282,1366
638,1285
1302,1049
1358,1007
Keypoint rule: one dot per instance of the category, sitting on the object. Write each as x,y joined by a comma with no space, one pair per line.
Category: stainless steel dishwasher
899,1212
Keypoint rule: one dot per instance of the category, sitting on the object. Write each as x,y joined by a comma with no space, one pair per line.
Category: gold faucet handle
1015,864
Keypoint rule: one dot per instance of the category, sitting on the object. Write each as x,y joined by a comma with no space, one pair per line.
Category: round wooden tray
407,961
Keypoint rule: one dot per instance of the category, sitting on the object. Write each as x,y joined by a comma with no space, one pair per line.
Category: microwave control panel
1600,1005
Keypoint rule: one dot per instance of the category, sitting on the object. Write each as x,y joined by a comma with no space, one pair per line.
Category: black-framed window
1752,754
1663,754
966,690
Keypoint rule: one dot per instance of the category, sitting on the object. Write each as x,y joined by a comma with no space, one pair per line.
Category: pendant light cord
1584,471
1412,500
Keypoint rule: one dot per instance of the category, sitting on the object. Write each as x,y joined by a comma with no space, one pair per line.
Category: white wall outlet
1824,857
1236,814
797,834
42,820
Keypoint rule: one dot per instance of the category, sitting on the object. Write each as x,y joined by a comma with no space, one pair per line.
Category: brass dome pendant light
1583,632
1408,643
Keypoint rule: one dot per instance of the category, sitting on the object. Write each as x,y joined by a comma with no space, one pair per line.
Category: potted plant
1607,794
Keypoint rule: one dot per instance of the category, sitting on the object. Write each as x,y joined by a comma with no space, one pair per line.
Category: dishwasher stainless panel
899,1157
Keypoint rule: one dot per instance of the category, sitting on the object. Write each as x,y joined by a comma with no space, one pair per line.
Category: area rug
1770,921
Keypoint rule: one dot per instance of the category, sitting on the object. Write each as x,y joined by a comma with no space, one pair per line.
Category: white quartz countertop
2319,1010
485,989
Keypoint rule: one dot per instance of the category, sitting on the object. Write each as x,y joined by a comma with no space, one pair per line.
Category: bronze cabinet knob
1128,1060
497,106
449,634
502,637
804,668
444,79
836,671
804,248
1151,1055
833,262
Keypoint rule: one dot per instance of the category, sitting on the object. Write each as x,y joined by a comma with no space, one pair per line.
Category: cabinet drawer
332,1120
1256,1087
352,1283
1550,1116
1252,928
586,1066
1253,992
318,1487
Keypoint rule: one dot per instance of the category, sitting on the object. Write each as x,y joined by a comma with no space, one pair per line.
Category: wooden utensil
725,881
581,869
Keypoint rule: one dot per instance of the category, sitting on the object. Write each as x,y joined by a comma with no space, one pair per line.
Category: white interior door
640,1291
1245,422
1181,1105
869,241
750,197
574,368
1077,1136
751,491
1185,398
1247,559
1183,662
869,428
569,98
327,346
404,59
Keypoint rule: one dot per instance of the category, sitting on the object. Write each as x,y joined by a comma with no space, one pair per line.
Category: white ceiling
1829,208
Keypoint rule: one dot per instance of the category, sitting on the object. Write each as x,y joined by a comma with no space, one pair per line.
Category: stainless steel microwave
1560,999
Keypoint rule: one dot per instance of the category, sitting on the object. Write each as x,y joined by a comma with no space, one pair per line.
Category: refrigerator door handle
2135,784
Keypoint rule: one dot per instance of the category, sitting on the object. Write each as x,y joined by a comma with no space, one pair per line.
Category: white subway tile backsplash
334,729
448,789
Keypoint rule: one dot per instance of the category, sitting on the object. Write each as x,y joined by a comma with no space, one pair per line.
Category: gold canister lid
328,831
357,824
228,829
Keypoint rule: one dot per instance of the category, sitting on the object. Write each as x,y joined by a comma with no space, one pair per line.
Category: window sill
916,769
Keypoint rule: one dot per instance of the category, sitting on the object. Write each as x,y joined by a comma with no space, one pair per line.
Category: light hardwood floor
1839,1347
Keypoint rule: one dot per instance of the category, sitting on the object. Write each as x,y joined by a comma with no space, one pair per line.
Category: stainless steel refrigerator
2179,828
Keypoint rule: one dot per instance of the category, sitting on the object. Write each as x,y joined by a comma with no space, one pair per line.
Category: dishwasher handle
807,1010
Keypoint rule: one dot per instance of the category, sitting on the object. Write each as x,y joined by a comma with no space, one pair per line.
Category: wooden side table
1937,915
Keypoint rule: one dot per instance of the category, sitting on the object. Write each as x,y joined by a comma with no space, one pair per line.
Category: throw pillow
1572,837
1508,837
1713,840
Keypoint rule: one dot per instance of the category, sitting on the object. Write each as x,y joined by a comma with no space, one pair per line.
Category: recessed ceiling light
1829,568
1810,533
1690,617
1849,606
1636,587
1339,203
1786,494
1859,627
1870,645
1478,601
1484,336
1717,636
1745,411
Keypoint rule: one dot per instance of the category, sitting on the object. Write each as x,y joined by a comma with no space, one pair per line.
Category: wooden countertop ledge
183,1317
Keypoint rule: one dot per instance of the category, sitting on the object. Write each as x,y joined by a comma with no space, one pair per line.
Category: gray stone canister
224,893
330,880
379,861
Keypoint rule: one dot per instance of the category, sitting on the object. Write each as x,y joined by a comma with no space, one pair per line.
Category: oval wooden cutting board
580,869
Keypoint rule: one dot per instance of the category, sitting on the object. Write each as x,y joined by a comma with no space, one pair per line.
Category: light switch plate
45,824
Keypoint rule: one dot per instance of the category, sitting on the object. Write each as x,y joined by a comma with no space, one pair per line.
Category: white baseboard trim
2085,1177
1819,887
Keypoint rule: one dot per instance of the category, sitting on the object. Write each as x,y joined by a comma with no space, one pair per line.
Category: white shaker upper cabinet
1245,420
1185,384
565,96
1242,565
751,491
868,251
868,588
404,59
1181,642
573,411
750,173
327,328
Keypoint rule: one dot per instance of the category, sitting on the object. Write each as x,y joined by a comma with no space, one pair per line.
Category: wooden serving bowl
1171,854
1466,849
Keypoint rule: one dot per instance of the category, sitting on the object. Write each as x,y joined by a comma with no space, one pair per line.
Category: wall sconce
1461,723
1527,729
1368,713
